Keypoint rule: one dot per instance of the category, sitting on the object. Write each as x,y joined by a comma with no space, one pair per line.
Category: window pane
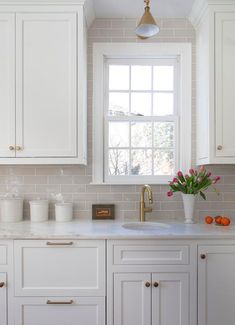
164,134
119,77
118,104
118,162
163,78
163,162
118,134
141,162
163,104
141,134
141,104
141,77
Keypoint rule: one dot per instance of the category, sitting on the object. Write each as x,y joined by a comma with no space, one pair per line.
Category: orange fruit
225,221
218,220
208,220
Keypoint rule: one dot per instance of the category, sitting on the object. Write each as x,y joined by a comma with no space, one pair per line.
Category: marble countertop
110,230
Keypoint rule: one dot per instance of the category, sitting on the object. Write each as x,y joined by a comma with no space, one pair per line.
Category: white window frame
102,51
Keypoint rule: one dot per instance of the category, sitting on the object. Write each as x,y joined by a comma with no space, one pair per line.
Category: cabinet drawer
149,254
60,268
82,311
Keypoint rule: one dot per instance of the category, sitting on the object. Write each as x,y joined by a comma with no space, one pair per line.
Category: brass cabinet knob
11,148
2,284
147,284
219,147
155,284
203,256
18,148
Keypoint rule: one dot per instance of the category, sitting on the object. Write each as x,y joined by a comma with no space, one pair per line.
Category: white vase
189,203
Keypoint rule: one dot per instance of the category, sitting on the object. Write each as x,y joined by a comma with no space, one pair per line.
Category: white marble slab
110,230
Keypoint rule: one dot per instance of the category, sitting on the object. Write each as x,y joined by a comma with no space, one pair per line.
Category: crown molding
88,6
200,7
89,11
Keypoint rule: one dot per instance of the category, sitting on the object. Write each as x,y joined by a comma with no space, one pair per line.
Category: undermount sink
145,225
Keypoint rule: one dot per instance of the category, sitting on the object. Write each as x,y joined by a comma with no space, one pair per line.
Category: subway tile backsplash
74,181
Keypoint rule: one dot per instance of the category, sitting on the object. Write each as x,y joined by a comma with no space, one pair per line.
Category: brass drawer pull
156,284
50,302
18,148
2,284
219,147
49,243
11,148
147,284
203,256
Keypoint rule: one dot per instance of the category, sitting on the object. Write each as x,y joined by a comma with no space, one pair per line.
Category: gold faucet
143,209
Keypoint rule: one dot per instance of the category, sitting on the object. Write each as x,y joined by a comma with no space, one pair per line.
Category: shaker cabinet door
132,299
46,82
216,285
225,81
7,85
170,299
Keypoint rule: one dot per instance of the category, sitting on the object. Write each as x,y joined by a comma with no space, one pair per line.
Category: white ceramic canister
38,210
63,212
11,209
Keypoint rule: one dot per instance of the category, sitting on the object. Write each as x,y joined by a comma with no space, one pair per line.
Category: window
139,118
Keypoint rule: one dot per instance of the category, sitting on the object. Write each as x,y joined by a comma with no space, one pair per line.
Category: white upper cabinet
215,27
7,84
43,102
46,84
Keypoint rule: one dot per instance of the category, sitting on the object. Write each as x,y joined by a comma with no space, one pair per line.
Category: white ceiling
134,8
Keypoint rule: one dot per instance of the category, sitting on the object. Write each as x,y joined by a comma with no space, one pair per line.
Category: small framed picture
102,211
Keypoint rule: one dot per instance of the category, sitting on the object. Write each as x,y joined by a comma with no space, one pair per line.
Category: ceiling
134,8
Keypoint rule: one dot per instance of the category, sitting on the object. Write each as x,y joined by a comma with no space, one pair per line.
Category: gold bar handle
49,243
50,302
2,284
18,148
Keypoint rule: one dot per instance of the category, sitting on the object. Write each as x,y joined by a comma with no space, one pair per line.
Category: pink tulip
217,179
191,171
175,180
202,168
208,174
186,176
169,193
180,174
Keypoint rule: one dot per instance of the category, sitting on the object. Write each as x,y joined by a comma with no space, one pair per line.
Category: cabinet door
77,311
56,268
3,299
132,299
225,81
216,285
46,108
170,299
7,85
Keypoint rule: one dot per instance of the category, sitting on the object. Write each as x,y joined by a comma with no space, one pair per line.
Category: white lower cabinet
60,311
151,282
145,299
3,299
216,285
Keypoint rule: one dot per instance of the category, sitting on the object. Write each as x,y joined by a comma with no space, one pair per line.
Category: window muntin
141,118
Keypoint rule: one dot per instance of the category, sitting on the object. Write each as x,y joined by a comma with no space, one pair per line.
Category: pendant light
147,26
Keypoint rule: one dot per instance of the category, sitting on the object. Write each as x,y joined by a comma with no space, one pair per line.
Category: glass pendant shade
147,26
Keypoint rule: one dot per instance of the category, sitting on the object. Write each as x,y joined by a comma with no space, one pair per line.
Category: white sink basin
147,226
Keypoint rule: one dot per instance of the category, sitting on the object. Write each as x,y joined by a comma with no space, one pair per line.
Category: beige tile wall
74,181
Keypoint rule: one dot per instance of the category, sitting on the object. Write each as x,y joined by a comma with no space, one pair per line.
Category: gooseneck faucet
143,208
